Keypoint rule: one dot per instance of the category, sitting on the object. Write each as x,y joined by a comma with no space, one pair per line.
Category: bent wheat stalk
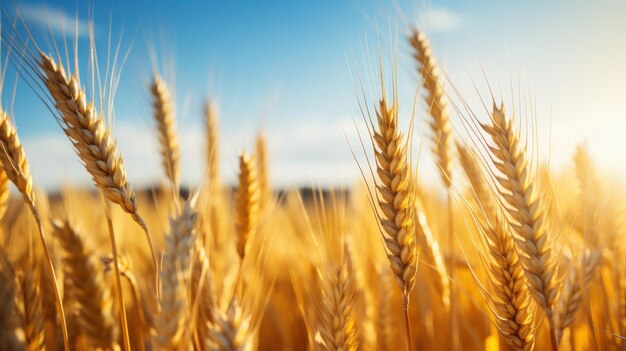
92,140
15,166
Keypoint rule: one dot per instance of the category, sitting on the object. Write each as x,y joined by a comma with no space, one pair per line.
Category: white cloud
314,152
59,21
439,20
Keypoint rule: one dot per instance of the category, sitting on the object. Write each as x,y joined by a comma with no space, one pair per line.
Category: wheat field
514,256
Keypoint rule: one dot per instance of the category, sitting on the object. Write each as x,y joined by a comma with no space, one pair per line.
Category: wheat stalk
511,301
247,202
528,216
164,116
171,330
230,330
87,286
571,296
15,165
337,320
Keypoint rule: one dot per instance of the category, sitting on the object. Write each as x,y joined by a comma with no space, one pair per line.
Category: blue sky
284,66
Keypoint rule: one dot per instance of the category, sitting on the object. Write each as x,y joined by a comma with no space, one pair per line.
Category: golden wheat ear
171,331
511,301
262,163
15,165
92,140
230,330
247,202
163,108
526,211
436,102
87,287
12,336
337,323
212,147
571,298
33,311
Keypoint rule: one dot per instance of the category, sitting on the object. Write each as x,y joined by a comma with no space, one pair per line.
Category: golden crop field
515,255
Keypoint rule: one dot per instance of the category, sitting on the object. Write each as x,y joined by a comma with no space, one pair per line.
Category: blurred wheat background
394,181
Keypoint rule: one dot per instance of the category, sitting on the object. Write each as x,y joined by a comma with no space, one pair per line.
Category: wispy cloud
439,20
317,155
57,20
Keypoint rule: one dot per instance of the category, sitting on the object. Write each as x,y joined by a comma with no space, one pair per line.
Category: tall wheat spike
33,312
14,161
230,331
15,165
261,153
337,323
437,102
397,217
578,278
88,288
164,116
527,213
476,179
212,138
247,202
512,300
171,330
